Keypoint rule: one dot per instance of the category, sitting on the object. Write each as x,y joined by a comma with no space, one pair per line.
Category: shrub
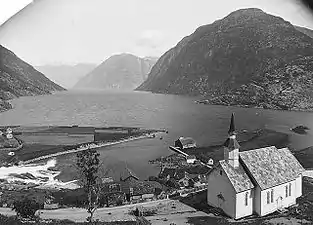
26,208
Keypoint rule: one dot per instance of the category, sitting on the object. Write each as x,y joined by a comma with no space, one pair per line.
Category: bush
26,208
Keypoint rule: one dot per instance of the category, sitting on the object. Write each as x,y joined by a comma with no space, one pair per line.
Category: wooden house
185,143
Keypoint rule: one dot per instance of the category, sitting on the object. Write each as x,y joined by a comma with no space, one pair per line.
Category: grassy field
46,140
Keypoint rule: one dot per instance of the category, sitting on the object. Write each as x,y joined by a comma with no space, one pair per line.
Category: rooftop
237,176
271,166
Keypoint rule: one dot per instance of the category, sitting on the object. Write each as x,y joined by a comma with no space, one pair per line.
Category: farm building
185,142
191,159
259,181
127,174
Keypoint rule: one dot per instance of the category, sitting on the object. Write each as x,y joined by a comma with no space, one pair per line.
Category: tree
26,207
88,164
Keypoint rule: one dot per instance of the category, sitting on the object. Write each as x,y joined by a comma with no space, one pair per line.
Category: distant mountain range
17,78
66,75
248,58
123,72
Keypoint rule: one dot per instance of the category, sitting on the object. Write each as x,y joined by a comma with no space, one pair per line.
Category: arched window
246,198
272,195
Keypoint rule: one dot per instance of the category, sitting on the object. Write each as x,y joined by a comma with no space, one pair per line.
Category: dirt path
167,211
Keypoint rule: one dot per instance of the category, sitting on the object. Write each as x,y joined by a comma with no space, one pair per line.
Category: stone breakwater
84,147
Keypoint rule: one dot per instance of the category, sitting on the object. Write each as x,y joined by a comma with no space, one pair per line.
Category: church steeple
231,145
231,130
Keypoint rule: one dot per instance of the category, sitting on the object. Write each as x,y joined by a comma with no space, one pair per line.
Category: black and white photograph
156,112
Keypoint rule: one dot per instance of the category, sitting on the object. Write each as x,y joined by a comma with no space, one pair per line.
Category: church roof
270,166
237,176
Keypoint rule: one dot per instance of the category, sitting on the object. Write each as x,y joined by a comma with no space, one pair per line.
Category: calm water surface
179,115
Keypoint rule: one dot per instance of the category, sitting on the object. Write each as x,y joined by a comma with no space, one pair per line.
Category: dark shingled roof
237,176
271,166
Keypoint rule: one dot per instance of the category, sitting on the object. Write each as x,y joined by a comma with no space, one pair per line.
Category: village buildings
258,181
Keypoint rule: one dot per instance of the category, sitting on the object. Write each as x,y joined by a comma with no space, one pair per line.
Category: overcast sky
73,31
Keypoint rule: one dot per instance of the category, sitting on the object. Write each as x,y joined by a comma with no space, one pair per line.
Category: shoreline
203,102
90,146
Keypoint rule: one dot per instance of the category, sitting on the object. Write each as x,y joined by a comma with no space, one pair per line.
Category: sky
89,31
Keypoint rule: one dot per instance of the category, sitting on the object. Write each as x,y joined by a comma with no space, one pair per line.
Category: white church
258,181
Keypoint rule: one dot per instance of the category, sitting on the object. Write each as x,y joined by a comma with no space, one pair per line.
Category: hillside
124,71
305,30
17,78
66,75
247,58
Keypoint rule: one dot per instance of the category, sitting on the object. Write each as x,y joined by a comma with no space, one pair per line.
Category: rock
300,129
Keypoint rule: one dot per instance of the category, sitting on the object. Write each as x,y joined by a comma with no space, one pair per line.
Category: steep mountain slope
17,78
66,75
124,71
247,58
305,31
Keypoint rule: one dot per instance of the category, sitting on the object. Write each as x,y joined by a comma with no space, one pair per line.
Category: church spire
231,130
231,146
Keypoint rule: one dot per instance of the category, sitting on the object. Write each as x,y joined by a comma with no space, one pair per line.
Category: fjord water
179,115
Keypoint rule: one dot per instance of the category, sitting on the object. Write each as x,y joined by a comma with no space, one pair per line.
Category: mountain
123,71
305,30
17,78
66,75
247,58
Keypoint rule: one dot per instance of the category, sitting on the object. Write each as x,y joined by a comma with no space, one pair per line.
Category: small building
185,143
191,159
259,181
113,194
128,175
9,130
107,180
185,180
50,204
210,162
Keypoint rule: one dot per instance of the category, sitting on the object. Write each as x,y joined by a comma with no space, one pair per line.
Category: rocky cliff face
17,78
124,71
247,58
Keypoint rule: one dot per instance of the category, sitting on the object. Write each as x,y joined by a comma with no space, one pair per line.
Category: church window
246,198
268,197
